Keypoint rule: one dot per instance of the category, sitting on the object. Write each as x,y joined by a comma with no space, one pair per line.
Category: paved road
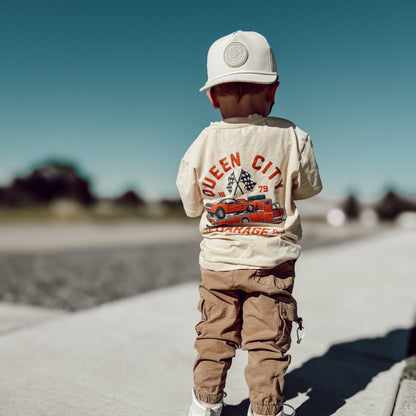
74,267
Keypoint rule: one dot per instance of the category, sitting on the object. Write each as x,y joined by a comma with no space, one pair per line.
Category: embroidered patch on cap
235,54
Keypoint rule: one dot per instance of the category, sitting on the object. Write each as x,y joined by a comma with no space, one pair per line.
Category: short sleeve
188,188
308,182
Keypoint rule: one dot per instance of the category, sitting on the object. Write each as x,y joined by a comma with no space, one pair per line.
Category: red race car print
254,209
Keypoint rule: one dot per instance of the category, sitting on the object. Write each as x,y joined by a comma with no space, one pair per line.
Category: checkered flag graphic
231,181
246,179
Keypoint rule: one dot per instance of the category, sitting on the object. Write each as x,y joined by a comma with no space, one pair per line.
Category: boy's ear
213,99
271,92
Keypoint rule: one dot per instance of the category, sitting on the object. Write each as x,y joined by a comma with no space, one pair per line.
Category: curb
405,404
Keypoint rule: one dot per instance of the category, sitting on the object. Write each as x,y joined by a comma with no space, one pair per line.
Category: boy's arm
308,182
187,184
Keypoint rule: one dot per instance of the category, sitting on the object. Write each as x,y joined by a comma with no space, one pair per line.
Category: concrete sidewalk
134,357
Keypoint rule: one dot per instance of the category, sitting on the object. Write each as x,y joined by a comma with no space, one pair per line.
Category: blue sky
113,86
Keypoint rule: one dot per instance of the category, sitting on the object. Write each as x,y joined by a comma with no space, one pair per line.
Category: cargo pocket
288,314
201,308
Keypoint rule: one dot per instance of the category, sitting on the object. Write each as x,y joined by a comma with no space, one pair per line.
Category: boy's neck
226,115
231,106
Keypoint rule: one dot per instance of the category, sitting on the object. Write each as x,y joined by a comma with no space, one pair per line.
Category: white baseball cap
240,57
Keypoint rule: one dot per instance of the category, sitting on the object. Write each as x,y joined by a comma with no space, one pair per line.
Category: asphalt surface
76,267
79,279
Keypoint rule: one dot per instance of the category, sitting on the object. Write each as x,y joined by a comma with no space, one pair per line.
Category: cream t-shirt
241,175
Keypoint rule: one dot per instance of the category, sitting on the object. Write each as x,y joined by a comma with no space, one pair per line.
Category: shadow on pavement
343,371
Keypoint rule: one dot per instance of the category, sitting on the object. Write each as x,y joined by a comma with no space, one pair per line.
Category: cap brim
241,77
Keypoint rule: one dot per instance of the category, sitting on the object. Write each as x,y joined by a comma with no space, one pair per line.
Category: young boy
241,175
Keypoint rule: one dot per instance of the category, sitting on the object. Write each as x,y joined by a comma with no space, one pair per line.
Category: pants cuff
206,397
269,410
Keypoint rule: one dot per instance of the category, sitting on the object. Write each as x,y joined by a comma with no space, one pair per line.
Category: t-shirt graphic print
242,176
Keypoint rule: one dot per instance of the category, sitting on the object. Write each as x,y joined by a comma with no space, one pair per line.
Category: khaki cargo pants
252,309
